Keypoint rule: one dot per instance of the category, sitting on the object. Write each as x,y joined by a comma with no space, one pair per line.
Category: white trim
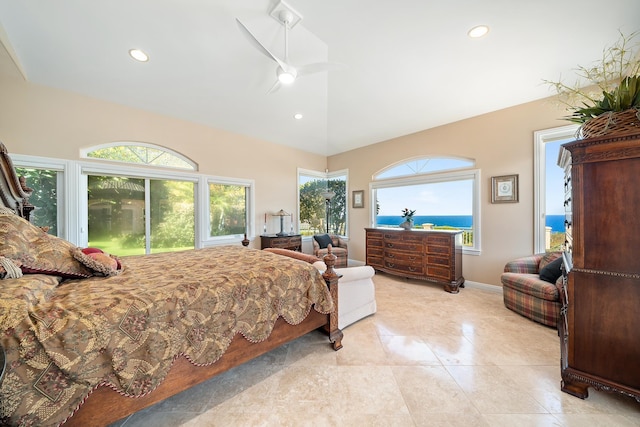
483,286
540,138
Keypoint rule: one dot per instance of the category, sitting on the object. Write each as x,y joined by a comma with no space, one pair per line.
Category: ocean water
556,222
459,221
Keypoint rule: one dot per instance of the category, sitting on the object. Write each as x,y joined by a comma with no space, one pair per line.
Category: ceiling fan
286,72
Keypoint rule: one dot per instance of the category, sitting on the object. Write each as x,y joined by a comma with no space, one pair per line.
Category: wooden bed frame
104,405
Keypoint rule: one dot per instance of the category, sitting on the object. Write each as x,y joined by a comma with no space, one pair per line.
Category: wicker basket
613,123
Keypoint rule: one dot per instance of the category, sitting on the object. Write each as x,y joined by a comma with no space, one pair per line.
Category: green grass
113,247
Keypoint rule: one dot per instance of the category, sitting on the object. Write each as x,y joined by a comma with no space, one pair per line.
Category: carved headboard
13,189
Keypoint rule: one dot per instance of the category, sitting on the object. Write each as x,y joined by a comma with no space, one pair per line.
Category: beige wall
501,143
37,120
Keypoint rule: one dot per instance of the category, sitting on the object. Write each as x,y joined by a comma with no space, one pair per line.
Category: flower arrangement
408,214
610,85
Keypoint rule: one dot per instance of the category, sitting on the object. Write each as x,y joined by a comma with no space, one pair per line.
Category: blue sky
555,179
444,198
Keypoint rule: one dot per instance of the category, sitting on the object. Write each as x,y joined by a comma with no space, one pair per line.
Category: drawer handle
412,258
389,245
389,255
412,269
390,264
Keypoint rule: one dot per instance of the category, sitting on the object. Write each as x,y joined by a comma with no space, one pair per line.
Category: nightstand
292,242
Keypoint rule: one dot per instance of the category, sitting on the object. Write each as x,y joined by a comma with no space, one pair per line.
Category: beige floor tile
426,358
493,392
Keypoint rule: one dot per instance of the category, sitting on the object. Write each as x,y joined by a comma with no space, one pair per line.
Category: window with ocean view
443,192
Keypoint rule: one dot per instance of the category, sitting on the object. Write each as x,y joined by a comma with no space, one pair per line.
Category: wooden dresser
599,324
435,255
292,242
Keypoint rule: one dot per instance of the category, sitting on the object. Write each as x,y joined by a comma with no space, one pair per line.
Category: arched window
141,154
443,191
424,165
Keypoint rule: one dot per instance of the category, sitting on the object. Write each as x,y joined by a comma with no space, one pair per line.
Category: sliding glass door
130,216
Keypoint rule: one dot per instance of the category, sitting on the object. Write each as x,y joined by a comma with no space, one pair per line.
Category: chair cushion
530,284
551,272
323,240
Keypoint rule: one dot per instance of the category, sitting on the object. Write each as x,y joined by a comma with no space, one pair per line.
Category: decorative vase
407,224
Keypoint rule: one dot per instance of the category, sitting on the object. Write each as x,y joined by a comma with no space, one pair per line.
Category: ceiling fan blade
275,87
319,67
254,41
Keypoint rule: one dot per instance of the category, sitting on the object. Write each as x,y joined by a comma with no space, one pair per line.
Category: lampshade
328,195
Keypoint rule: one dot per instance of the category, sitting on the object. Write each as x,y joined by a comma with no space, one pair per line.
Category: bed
88,346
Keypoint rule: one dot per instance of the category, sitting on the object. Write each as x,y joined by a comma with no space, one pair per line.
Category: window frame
540,138
473,174
326,175
73,186
63,185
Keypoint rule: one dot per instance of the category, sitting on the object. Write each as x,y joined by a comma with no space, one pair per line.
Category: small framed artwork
504,189
357,199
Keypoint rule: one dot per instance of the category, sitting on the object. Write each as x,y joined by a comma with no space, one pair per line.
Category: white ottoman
356,293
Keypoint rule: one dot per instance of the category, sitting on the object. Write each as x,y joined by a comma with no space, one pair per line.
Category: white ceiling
409,63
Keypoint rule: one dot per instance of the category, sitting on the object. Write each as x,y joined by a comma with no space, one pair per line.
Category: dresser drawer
375,251
438,240
417,269
439,250
403,257
442,273
374,243
438,261
374,235
375,261
403,246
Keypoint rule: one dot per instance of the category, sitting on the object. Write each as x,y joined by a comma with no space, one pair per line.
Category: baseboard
483,286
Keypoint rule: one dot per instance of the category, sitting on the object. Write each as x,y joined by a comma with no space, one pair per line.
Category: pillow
323,240
547,258
37,251
99,261
551,272
294,254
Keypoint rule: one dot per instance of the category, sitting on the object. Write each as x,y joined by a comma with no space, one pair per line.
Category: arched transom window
141,154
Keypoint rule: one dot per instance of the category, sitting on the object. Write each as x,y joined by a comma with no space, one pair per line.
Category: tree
313,205
44,196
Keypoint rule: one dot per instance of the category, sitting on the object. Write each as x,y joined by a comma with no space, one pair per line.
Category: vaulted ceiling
408,65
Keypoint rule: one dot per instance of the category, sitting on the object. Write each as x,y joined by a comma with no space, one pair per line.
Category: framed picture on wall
504,189
357,199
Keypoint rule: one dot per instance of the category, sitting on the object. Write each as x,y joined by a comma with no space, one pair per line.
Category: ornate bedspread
125,331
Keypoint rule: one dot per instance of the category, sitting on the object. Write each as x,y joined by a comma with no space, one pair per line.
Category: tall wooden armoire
600,320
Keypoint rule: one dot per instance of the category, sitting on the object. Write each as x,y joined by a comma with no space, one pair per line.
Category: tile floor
426,358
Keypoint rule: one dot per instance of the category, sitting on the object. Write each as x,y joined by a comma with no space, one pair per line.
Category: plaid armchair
339,247
526,294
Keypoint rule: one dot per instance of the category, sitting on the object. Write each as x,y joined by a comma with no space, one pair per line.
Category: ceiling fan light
286,78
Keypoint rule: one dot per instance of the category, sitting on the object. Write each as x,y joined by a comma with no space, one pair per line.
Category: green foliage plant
609,85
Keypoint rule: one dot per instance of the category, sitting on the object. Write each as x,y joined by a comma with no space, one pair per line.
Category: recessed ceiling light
297,116
139,55
478,31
